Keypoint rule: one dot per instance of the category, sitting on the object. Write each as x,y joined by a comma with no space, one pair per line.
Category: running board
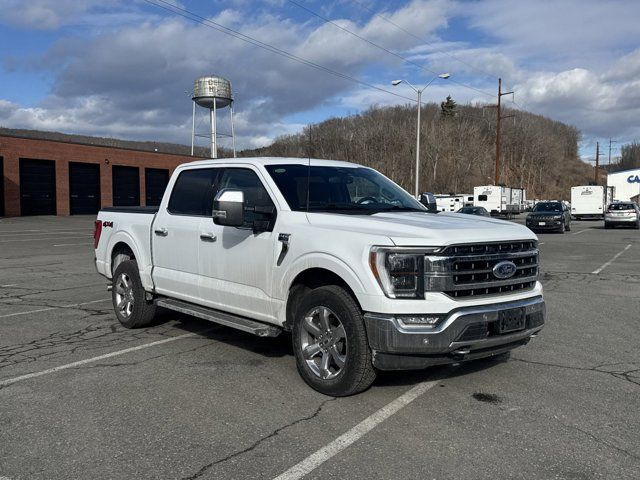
227,319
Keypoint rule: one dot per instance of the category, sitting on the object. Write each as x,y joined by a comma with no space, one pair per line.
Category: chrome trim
441,274
493,308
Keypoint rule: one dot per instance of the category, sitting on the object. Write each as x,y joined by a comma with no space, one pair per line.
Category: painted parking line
53,308
35,233
71,244
10,381
8,285
581,231
316,459
43,239
598,270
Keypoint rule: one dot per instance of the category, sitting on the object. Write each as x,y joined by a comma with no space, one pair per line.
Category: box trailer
590,201
499,200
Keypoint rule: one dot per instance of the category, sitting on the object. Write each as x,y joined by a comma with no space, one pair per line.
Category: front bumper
465,334
548,224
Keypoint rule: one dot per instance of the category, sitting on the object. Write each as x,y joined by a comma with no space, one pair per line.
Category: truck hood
425,229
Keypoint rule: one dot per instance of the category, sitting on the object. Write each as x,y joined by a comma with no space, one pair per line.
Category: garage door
155,182
1,187
126,186
37,187
84,188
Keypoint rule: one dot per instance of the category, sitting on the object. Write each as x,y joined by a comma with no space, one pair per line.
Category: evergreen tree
448,107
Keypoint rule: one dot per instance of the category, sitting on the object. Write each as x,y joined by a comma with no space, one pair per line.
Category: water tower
212,93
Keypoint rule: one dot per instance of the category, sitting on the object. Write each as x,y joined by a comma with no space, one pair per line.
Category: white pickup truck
363,275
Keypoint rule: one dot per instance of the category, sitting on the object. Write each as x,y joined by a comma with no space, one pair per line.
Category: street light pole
417,188
419,92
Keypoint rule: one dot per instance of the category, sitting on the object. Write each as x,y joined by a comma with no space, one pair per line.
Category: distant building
45,173
626,183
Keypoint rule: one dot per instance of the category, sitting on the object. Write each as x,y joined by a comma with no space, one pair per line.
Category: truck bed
148,210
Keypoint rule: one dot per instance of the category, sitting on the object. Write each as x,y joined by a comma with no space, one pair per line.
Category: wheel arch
308,279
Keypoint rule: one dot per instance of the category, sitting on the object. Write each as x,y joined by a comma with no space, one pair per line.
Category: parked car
363,275
550,216
622,213
475,211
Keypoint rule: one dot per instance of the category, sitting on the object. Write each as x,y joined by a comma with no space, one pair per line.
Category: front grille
543,218
467,270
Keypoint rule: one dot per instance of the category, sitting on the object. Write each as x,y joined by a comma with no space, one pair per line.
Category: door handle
163,232
207,237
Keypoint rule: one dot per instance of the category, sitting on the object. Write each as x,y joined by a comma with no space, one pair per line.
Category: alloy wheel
323,342
124,295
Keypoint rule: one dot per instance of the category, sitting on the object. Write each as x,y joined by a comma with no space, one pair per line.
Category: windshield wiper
341,207
396,208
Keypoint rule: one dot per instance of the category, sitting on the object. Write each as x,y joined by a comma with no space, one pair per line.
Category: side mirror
228,208
428,200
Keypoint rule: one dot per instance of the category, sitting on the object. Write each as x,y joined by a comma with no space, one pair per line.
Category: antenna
309,164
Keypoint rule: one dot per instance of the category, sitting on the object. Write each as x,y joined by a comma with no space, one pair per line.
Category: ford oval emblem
504,269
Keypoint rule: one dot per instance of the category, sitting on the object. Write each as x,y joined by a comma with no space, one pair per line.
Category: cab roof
272,161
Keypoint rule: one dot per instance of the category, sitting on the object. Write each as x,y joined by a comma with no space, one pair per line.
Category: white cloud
130,81
573,60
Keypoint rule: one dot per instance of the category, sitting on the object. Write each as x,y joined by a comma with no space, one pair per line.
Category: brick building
78,175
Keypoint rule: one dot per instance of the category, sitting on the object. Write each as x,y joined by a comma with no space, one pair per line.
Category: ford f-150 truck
362,274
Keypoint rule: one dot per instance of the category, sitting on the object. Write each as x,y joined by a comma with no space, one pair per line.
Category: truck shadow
437,372
279,346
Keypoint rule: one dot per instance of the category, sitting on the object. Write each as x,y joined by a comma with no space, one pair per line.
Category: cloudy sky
124,68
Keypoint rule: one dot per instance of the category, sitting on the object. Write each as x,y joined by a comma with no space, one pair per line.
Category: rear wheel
562,227
129,297
330,343
569,226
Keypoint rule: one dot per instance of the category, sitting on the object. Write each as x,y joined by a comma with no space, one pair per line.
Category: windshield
621,206
548,207
355,190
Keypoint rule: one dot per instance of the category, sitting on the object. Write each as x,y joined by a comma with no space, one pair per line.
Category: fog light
420,320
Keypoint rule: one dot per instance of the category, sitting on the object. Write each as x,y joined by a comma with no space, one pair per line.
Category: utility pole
610,142
597,161
499,117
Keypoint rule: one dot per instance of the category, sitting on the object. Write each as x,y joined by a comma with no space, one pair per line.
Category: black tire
607,226
357,372
569,226
562,227
142,311
637,225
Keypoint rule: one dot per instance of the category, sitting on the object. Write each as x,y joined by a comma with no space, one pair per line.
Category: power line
390,52
422,39
253,41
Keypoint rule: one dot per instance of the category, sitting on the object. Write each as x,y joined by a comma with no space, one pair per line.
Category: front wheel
330,343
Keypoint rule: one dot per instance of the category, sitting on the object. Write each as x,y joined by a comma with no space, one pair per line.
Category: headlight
399,272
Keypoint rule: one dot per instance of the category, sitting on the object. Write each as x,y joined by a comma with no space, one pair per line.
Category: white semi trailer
590,201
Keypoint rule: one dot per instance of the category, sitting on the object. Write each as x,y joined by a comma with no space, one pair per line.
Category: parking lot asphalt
82,397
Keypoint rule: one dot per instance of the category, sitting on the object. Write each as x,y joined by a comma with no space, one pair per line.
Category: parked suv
363,276
550,216
622,213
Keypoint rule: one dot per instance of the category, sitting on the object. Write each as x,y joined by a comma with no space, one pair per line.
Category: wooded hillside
457,148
